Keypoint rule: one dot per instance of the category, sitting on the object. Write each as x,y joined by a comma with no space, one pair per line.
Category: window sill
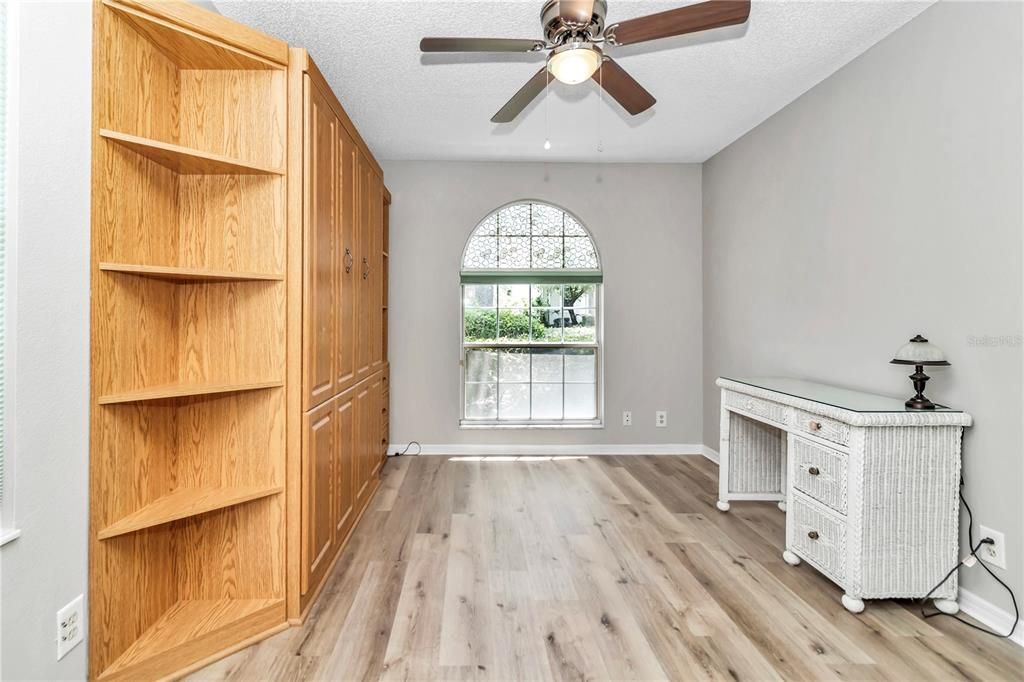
9,535
505,427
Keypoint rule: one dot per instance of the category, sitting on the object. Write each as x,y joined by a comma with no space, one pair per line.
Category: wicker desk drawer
822,427
818,536
780,414
820,472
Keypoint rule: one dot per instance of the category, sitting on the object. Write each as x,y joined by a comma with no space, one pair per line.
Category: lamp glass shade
575,63
919,351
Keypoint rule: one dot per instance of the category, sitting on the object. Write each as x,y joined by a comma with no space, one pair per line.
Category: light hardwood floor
599,568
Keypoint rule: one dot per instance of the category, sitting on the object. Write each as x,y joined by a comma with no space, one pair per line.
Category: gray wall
885,202
646,222
46,567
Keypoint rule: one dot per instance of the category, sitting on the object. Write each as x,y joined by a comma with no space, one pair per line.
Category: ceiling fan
573,32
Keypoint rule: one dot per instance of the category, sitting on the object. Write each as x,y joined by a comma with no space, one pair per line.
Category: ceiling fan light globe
574,64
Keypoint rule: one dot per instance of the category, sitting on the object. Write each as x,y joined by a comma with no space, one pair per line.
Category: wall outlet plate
70,626
627,418
992,554
661,419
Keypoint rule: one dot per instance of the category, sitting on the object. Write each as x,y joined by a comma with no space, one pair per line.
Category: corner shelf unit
189,241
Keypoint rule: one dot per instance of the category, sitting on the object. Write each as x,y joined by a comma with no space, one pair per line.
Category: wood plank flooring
607,568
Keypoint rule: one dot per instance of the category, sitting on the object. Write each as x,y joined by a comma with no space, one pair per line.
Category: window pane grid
530,236
515,394
523,314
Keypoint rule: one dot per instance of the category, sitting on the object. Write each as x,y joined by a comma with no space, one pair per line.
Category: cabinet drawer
822,427
818,536
820,472
780,414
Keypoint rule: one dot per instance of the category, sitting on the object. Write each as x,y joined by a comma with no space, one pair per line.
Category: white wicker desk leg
786,476
723,458
789,557
853,604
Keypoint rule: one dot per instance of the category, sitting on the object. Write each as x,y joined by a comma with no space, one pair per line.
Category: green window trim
531,277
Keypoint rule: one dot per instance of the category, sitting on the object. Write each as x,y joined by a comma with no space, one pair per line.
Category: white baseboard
709,453
990,615
475,449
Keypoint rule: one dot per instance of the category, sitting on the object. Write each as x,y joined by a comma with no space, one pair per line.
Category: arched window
531,332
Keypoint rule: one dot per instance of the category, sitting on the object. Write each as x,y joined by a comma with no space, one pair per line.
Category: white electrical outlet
995,553
627,418
661,419
70,627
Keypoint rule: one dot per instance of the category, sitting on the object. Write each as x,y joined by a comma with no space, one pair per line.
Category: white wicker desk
871,488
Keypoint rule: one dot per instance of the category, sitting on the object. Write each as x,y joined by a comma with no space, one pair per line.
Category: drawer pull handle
814,426
813,535
348,260
813,471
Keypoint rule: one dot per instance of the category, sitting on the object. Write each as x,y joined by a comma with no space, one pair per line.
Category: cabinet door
347,268
363,405
318,455
374,423
319,218
363,285
377,275
344,464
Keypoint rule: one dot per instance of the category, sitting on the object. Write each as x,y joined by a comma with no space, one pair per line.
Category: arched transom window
531,289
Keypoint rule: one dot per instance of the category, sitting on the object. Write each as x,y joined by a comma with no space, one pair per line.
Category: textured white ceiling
711,88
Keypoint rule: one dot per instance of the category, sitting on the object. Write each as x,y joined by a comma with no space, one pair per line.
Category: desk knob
813,471
813,535
814,426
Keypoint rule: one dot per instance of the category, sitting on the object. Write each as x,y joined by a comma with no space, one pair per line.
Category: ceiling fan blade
675,22
522,99
480,45
576,11
623,88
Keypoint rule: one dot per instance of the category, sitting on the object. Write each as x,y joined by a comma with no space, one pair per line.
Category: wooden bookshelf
188,325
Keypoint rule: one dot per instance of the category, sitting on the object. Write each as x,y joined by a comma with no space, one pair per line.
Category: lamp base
919,402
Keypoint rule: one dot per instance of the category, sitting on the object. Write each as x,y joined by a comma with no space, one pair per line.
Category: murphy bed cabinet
338,404
238,408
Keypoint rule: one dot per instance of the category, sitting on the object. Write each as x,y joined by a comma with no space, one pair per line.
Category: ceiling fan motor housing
557,29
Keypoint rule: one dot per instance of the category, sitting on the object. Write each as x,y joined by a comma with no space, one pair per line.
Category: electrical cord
406,451
974,549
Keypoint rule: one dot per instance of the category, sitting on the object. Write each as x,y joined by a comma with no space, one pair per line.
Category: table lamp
919,352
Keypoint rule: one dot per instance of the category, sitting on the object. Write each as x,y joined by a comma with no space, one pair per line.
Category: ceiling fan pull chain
600,107
547,108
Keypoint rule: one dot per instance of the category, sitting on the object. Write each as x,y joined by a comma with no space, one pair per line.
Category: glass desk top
843,398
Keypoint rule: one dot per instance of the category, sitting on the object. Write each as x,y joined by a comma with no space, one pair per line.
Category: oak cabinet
340,202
